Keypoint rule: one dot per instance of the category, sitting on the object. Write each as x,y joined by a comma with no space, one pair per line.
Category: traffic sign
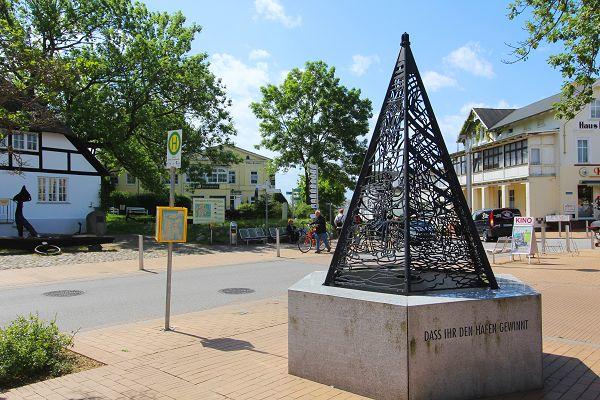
314,206
174,143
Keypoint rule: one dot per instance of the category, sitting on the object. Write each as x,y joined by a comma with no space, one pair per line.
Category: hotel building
235,184
528,159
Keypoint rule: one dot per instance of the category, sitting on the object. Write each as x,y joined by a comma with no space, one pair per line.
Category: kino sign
174,141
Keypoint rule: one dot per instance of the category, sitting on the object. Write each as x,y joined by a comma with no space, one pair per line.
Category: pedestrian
291,231
320,231
339,221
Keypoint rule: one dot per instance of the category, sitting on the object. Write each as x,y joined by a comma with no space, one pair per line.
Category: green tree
576,25
121,77
312,119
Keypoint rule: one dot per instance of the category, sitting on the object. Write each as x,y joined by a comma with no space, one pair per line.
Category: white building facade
61,175
527,159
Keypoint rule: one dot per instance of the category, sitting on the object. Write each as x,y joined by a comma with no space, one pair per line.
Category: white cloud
362,63
258,54
469,58
282,75
434,81
272,10
241,80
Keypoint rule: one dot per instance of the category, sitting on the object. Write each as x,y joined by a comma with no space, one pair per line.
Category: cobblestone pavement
124,248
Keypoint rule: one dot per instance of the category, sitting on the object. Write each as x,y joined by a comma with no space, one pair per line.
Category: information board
208,211
171,224
523,236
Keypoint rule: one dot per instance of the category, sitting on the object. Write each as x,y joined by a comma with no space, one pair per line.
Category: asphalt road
117,300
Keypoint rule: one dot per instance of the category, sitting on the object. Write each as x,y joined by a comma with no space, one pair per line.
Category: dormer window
25,141
595,109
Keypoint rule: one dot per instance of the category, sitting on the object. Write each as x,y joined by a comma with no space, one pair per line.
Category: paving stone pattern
240,351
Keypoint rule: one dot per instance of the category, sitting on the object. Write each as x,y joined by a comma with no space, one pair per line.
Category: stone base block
459,344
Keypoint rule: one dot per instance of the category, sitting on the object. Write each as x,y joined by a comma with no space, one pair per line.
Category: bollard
277,241
587,228
211,240
592,241
544,237
568,239
141,251
559,229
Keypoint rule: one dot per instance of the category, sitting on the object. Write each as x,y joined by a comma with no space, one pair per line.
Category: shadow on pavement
225,343
564,377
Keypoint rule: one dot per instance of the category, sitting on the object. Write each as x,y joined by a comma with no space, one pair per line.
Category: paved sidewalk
240,351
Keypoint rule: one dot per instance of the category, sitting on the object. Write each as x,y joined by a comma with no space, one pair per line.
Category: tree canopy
118,75
576,25
311,118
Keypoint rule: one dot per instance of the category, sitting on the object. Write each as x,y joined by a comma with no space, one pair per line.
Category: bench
252,235
282,233
113,210
502,247
129,211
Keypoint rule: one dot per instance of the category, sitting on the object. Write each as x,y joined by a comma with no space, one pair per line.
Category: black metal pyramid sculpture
408,228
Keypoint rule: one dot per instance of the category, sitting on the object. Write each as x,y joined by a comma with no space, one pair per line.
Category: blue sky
459,48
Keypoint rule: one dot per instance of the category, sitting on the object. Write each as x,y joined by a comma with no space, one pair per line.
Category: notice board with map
171,224
208,211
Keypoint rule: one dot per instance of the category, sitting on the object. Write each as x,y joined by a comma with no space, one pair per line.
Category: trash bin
233,228
95,223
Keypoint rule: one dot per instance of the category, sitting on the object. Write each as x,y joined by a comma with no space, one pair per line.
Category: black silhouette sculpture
20,220
408,228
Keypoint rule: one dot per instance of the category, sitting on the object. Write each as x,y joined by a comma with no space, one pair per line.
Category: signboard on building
174,142
523,236
569,208
207,211
171,224
558,218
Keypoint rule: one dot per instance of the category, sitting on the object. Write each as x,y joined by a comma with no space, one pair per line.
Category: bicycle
306,239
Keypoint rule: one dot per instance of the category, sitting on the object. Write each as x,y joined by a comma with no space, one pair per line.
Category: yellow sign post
171,224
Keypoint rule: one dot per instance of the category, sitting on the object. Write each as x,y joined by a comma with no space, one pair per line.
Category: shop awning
590,182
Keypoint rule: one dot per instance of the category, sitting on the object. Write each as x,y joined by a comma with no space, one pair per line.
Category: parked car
420,231
492,223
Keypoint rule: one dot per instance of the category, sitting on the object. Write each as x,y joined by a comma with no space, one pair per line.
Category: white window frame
128,180
253,181
595,109
53,189
31,139
539,156
25,140
580,160
231,178
20,141
4,141
218,175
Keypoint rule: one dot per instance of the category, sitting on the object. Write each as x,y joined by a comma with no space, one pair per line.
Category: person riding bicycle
320,231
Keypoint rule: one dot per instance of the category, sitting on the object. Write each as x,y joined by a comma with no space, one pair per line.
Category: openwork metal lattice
408,227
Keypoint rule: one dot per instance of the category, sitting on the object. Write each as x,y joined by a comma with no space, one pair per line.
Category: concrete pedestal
459,344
